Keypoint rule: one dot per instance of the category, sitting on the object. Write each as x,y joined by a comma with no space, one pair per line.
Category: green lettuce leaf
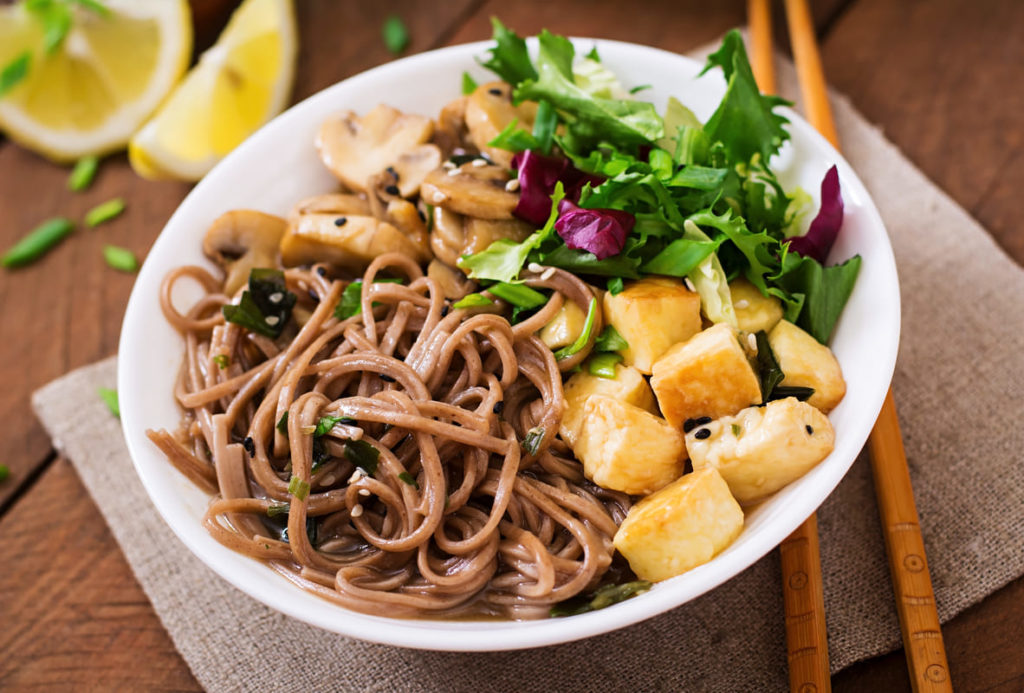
509,58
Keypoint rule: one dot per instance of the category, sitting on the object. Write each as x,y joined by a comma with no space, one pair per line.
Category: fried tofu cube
624,448
627,386
754,310
808,363
708,375
682,526
762,449
652,315
563,329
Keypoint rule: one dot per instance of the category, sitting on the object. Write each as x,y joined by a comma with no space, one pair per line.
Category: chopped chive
531,443
468,83
603,365
737,430
104,212
584,337
395,34
282,423
223,362
37,242
14,72
120,259
109,397
407,478
277,509
5,472
298,488
472,301
83,173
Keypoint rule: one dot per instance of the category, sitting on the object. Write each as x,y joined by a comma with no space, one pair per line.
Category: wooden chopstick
803,595
915,598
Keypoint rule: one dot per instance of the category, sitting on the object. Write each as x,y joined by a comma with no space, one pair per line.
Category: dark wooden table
944,79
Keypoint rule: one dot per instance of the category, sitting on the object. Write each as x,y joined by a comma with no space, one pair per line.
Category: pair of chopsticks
806,640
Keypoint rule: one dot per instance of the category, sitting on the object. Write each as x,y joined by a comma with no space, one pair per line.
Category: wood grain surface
942,78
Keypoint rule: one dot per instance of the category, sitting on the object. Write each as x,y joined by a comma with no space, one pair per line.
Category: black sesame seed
322,271
313,295
689,425
340,221
393,172
347,421
391,190
495,91
703,420
423,217
444,311
387,378
498,406
250,446
702,434
810,431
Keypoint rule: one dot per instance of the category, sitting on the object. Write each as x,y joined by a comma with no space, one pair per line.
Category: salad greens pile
622,192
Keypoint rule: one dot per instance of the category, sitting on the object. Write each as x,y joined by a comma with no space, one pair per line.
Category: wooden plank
74,616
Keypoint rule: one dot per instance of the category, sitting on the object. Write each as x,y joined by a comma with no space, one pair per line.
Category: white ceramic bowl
278,166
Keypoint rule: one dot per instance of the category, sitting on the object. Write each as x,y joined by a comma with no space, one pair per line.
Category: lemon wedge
105,79
239,84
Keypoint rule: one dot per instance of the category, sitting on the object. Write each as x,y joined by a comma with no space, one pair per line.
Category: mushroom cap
350,246
476,191
354,148
489,110
241,240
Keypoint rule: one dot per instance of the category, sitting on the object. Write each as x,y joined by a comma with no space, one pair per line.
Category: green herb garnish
615,286
109,397
298,488
519,295
282,423
266,306
325,424
801,393
104,212
531,443
600,598
120,259
603,365
610,340
768,370
82,174
737,430
5,472
278,508
407,478
222,361
363,455
395,34
472,301
351,298
38,242
468,84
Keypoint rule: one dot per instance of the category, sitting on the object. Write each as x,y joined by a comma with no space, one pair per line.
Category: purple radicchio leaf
537,177
818,240
599,231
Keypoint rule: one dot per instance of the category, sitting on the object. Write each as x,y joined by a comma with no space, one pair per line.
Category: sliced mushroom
404,216
489,110
243,239
351,246
332,203
354,149
453,283
476,191
451,132
480,233
448,236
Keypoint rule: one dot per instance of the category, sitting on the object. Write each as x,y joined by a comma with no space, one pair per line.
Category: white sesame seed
535,267
689,284
548,273
364,492
439,197
272,320
742,303
276,297
478,162
356,476
357,511
454,172
449,165
328,480
512,185
752,341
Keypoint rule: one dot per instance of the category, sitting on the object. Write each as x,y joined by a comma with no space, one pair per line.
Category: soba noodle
459,518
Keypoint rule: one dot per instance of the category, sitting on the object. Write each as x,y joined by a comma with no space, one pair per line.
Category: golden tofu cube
624,448
351,246
808,363
652,315
565,327
762,449
682,526
627,386
754,310
709,375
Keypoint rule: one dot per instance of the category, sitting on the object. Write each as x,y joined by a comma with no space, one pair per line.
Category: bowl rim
449,635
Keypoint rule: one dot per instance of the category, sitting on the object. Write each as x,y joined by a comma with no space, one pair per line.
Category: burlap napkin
957,386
